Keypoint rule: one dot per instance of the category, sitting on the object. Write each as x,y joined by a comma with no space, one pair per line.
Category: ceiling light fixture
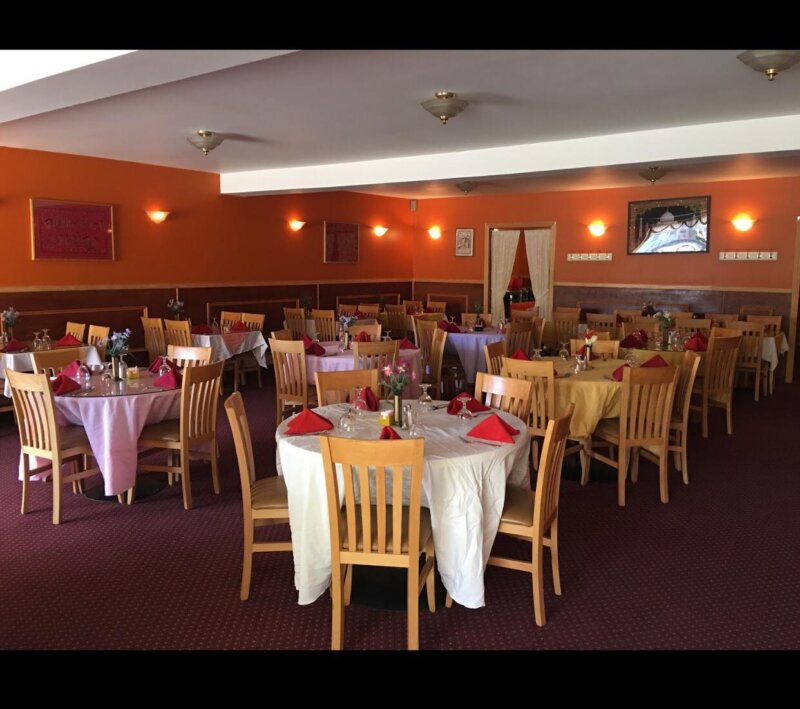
770,61
466,187
205,140
652,173
445,105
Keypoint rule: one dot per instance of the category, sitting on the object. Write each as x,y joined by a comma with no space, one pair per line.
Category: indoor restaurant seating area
278,383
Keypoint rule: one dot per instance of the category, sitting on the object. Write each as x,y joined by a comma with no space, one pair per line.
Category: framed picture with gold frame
71,231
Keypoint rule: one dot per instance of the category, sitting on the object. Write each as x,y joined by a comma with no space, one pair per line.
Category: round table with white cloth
23,362
233,343
463,485
468,345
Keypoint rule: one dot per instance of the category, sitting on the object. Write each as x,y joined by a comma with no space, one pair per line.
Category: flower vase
346,340
587,356
398,410
664,338
116,368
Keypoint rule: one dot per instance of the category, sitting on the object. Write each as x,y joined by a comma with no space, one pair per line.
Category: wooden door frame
487,252
793,306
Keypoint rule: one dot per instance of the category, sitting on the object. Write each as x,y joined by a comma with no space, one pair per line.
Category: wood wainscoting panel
459,296
331,294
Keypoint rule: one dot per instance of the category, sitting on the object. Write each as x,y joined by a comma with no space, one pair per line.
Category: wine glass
164,368
47,343
359,404
347,422
387,336
564,351
37,341
465,414
425,401
537,354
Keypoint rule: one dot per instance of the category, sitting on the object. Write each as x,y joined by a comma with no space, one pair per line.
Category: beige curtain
538,247
504,251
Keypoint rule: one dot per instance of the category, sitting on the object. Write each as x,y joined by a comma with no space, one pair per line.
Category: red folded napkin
582,353
389,434
307,421
69,340
448,326
657,361
159,361
369,398
72,369
631,341
64,385
493,428
519,354
642,334
14,345
202,329
406,344
362,337
170,380
697,342
617,373
473,404
313,348
239,326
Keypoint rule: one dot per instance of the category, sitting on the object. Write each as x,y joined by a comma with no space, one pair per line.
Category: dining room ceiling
314,120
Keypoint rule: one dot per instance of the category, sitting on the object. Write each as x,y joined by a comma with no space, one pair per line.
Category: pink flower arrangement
396,378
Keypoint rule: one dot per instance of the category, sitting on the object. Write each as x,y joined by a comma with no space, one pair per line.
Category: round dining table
463,485
468,345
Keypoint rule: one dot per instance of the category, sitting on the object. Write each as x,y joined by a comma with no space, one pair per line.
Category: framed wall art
464,242
71,230
669,226
341,242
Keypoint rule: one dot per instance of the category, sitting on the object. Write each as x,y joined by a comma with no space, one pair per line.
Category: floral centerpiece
346,321
665,323
589,338
10,317
479,322
118,346
395,379
175,307
305,303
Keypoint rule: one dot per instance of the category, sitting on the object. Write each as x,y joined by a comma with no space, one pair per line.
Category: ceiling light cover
653,173
205,140
445,105
770,61
466,187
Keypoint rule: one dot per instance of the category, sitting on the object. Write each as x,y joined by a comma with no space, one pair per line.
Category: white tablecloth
335,361
469,348
769,350
226,346
23,362
463,484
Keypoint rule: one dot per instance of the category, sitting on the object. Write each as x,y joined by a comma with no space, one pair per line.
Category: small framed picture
464,239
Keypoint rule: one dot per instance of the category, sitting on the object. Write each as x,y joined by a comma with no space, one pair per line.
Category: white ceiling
339,119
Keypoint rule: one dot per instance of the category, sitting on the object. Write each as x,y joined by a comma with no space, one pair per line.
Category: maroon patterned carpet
716,568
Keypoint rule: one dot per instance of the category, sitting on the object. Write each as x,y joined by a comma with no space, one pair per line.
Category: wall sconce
435,232
157,216
296,225
597,228
379,230
743,222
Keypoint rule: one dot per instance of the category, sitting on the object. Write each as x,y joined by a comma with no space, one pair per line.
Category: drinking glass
37,342
47,343
347,422
564,351
537,354
164,368
387,335
359,404
425,401
465,414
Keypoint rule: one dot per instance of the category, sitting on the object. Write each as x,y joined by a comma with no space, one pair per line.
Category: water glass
537,354
47,343
564,351
465,414
37,341
347,422
425,401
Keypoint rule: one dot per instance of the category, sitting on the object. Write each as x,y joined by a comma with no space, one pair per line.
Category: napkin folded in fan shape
493,428
64,385
239,327
519,354
153,368
202,329
389,434
308,421
72,369
69,340
448,326
617,373
170,380
362,337
369,398
473,405
313,348
657,361
697,343
406,344
14,345
582,353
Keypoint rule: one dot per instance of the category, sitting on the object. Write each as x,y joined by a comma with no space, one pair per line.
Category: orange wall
208,238
774,203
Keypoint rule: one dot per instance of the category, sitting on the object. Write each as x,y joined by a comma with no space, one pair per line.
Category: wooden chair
494,353
746,310
679,423
682,316
98,335
76,329
295,322
424,332
622,316
178,333
610,348
523,315
347,309
643,423
154,339
291,382
373,330
432,370
285,335
748,358
687,327
397,321
510,395
325,324
533,515
40,436
379,534
51,362
193,436
374,355
468,319
538,333
246,362
601,322
436,306
642,319
725,331
415,304
568,310
719,319
369,310
264,501
518,337
189,356
339,387
228,319
772,323
716,385
565,326
255,321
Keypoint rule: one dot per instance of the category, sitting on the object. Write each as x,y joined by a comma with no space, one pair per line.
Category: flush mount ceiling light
205,140
445,105
770,61
652,173
466,187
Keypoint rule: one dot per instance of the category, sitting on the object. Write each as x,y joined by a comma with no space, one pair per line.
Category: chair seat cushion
269,493
518,506
162,431
424,530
